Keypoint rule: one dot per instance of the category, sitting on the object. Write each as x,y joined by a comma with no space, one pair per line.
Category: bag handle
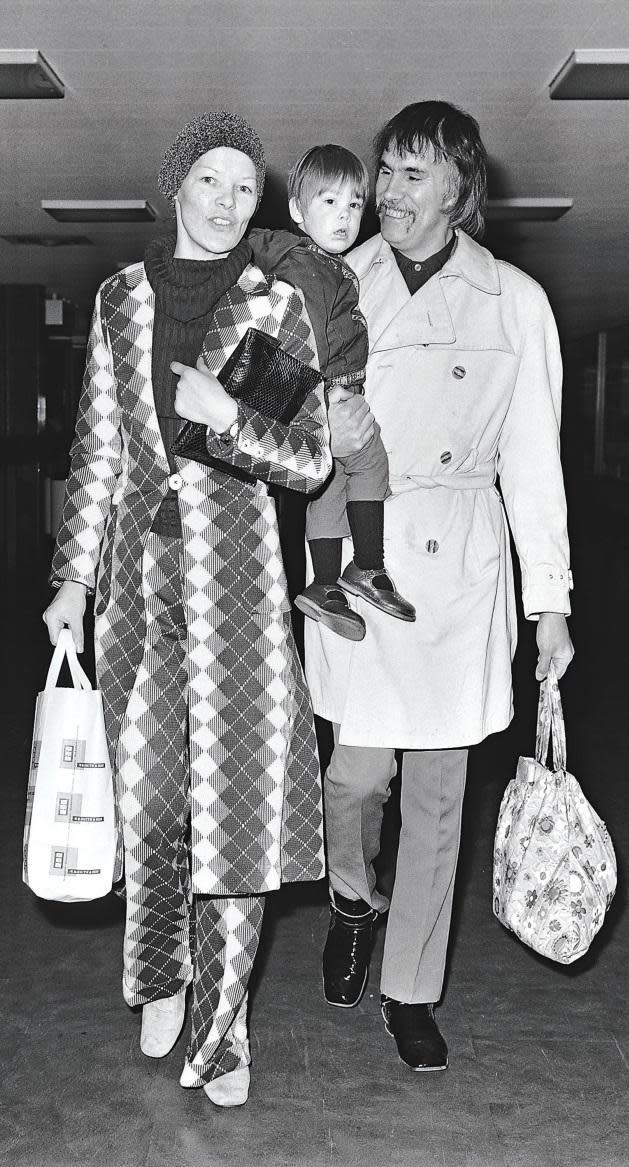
65,648
550,721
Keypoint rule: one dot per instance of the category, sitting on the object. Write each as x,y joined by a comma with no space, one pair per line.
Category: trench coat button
175,482
458,372
417,267
445,458
432,547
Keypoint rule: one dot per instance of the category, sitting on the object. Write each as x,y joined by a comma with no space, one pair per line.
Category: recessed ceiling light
593,75
26,73
99,210
48,240
526,210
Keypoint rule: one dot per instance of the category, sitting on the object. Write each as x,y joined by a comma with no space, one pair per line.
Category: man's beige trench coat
464,378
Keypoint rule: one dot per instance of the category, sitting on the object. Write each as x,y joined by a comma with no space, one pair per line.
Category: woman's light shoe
230,1089
162,1022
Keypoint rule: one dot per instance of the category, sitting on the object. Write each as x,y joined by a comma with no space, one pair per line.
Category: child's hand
339,393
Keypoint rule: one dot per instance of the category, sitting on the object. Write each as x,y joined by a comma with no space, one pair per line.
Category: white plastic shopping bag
69,833
554,864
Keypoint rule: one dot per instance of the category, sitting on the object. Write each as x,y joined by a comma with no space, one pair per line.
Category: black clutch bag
261,374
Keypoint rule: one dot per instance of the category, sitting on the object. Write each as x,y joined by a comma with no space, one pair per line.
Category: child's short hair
321,166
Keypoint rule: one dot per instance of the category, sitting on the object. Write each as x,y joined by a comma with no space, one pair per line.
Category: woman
208,717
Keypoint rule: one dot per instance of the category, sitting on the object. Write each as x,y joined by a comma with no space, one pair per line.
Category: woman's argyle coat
254,775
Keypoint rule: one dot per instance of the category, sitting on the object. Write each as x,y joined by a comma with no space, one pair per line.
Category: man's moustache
384,206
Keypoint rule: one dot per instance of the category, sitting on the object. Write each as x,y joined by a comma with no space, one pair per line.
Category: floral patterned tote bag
554,872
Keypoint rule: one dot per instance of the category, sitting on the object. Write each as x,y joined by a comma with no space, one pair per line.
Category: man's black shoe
419,1042
347,951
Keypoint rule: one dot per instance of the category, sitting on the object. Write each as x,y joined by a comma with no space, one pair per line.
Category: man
464,378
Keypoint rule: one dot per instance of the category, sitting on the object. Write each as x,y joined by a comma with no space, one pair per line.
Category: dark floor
539,1070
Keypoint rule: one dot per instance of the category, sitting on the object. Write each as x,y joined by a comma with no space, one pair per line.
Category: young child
327,191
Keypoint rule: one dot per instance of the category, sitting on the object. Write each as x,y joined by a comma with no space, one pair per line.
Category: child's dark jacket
330,290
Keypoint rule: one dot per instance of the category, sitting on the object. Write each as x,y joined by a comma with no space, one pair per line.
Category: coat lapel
129,312
398,320
253,302
423,319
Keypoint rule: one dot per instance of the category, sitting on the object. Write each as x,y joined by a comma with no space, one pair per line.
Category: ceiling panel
304,71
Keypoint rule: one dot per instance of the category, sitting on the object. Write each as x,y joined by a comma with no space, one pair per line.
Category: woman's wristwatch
226,437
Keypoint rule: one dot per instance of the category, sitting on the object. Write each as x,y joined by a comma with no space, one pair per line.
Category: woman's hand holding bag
69,833
68,607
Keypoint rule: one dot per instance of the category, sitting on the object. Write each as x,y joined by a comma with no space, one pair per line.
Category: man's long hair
453,137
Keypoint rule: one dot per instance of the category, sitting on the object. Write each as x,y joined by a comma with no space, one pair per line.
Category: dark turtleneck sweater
186,293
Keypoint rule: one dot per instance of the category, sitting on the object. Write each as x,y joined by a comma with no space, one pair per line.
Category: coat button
458,372
432,547
175,482
417,267
445,458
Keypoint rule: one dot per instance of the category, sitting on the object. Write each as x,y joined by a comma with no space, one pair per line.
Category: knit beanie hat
203,133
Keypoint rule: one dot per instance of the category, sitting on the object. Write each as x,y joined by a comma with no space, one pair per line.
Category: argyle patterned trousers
172,937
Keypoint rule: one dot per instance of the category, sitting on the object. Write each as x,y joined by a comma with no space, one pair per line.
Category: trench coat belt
480,478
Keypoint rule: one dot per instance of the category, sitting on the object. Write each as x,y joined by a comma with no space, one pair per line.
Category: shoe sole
355,591
415,1069
348,629
339,1005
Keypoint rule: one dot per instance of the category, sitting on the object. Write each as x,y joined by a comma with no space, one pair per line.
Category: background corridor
539,1073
